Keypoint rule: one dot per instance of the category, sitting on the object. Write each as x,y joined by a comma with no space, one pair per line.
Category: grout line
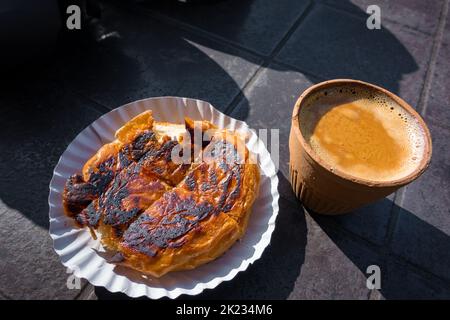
81,291
86,293
394,215
291,30
384,254
392,223
370,295
268,60
238,98
184,26
437,42
96,106
439,125
424,273
296,69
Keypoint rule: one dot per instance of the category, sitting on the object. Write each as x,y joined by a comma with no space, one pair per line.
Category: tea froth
362,133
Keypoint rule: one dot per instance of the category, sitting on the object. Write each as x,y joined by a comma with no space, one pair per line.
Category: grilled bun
162,215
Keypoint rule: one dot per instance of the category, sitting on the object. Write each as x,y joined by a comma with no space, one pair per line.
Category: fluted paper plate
80,253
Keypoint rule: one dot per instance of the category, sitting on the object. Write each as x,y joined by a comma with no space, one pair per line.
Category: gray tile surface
399,280
332,44
446,35
402,282
40,125
370,222
334,266
422,233
256,25
439,96
29,268
202,51
270,100
420,15
159,61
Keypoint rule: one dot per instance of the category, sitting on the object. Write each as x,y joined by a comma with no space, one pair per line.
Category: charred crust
136,149
181,215
223,194
107,183
111,201
90,216
78,194
124,161
116,217
103,176
172,217
93,215
190,181
118,232
212,176
156,151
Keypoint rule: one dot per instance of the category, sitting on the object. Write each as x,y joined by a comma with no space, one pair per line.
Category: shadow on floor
45,103
399,279
41,116
328,44
123,69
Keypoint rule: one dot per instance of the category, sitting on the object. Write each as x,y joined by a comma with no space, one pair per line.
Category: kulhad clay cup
334,192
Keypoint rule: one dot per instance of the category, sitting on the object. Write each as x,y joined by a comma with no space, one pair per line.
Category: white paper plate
79,252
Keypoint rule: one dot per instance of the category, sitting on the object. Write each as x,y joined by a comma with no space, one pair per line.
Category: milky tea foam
362,132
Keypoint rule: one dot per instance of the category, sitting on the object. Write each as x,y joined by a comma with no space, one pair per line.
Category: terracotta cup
334,192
